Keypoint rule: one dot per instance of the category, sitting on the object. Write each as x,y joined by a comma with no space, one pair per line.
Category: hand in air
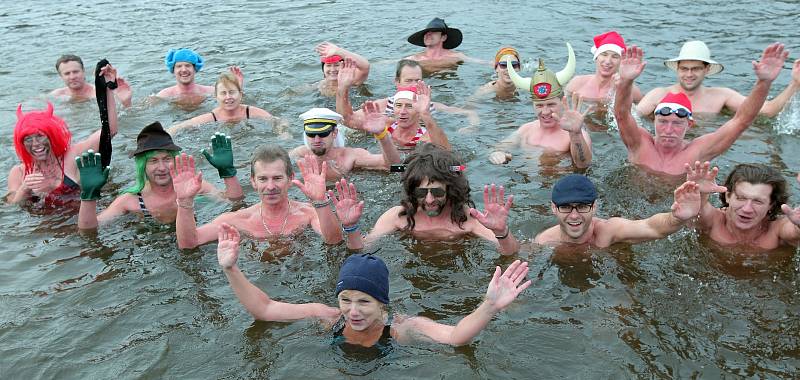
314,177
221,156
237,72
423,97
771,62
93,176
109,73
327,49
496,208
123,91
185,179
228,246
347,74
687,201
704,176
348,207
792,214
499,158
631,65
374,119
572,119
505,286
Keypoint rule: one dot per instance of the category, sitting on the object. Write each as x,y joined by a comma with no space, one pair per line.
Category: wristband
350,229
382,135
505,235
186,205
321,204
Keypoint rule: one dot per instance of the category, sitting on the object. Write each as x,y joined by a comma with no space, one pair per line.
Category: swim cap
46,123
183,55
574,188
365,273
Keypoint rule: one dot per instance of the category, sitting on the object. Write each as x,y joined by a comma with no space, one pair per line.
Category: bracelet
505,235
321,204
350,229
382,135
187,205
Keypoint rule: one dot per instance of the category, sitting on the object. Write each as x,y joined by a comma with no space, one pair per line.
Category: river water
128,304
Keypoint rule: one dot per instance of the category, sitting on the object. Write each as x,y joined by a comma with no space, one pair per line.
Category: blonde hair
228,79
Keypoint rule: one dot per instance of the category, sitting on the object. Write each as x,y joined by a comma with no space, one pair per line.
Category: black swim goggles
679,112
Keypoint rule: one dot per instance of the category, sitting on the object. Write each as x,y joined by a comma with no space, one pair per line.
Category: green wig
141,164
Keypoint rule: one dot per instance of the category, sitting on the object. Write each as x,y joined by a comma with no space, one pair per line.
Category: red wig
46,123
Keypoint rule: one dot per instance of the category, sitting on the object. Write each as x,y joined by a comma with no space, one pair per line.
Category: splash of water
788,120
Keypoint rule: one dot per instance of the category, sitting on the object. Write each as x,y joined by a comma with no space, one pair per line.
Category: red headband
331,59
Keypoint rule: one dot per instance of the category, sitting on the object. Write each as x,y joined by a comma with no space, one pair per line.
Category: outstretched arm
256,301
375,123
503,289
631,66
187,183
327,49
501,154
438,136
349,210
775,106
684,209
706,179
347,76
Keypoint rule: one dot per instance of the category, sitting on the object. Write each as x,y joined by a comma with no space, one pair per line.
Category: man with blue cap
573,204
362,290
184,64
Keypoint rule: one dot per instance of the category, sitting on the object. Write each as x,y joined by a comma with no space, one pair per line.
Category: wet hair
759,174
405,63
228,79
434,163
271,153
141,169
68,58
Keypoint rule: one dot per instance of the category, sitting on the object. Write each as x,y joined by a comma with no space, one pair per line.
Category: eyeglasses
322,135
514,64
679,112
422,192
581,207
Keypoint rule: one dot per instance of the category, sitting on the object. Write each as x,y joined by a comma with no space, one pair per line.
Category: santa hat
608,41
405,93
675,101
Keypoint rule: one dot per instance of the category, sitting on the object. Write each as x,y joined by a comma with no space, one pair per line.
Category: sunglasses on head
581,207
514,64
320,134
679,112
422,192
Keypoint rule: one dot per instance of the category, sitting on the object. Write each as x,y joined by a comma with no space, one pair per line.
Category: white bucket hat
695,51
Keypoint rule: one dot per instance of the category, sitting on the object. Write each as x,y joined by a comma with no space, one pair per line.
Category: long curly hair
434,163
759,174
46,123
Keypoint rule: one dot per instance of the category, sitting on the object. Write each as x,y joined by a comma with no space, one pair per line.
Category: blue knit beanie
183,55
365,273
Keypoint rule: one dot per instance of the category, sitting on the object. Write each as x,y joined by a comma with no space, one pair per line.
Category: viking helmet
545,85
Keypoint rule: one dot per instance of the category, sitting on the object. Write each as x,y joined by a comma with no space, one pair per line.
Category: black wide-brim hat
153,137
454,36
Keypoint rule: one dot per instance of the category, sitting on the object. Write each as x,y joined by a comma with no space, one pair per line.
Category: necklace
285,219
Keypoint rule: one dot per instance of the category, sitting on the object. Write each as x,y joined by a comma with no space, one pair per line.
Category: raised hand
704,176
631,65
796,71
687,201
185,179
348,207
313,176
374,119
221,156
505,287
496,208
93,176
423,97
348,72
572,119
228,246
237,72
109,73
499,158
123,92
771,62
327,49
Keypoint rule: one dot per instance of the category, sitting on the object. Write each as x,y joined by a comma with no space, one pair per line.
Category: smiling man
692,66
502,88
607,53
752,200
70,69
574,205
667,151
184,64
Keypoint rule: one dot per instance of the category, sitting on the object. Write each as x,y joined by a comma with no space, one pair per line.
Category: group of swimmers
436,202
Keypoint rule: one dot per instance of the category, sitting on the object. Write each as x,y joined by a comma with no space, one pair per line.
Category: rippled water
127,303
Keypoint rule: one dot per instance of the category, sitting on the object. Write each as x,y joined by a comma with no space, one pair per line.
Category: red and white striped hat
608,41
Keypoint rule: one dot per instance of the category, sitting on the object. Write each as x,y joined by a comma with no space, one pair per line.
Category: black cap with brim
153,137
454,36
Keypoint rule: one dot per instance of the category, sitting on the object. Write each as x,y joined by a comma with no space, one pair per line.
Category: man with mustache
436,205
70,68
323,140
275,215
573,204
692,66
667,151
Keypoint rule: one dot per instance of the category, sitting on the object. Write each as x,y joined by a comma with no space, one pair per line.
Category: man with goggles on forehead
559,124
668,150
607,52
574,206
502,88
325,143
436,205
692,65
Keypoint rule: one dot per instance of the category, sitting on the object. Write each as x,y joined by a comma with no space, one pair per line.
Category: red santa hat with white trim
675,101
608,41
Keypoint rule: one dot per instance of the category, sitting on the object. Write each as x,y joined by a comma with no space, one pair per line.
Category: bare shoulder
259,112
577,82
299,151
548,236
167,92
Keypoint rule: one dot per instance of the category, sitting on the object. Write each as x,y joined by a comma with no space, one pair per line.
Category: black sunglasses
422,192
514,64
320,134
679,112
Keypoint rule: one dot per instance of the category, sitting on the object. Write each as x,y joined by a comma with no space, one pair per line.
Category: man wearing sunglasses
573,204
667,151
324,142
607,52
502,88
436,205
692,65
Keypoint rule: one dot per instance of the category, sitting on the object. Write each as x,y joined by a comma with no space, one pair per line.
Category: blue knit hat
574,188
365,273
183,55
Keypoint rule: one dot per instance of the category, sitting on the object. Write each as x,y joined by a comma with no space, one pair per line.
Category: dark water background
129,304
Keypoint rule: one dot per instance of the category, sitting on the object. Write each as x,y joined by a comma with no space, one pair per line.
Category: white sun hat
695,51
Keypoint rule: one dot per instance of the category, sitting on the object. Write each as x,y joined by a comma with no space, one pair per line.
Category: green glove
222,156
93,176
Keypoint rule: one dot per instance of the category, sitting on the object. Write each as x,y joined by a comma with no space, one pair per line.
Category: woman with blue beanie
363,294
